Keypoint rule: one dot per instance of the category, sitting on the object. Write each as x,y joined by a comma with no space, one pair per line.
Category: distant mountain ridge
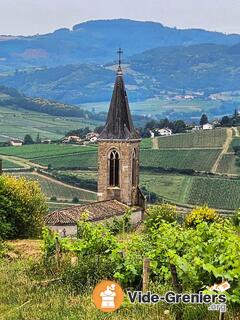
96,42
209,68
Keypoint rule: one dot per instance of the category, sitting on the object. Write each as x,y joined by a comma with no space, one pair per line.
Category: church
118,169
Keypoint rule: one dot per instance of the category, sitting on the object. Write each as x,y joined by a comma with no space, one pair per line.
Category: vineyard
228,165
199,160
146,143
216,192
54,189
9,164
45,150
199,139
168,186
84,160
235,143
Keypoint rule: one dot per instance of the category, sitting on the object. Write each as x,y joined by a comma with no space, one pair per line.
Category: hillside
95,42
20,115
163,73
12,98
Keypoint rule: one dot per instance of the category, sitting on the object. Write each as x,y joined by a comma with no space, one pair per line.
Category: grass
24,298
53,189
170,187
199,139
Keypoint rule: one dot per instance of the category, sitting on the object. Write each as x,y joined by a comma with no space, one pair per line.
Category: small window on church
114,169
134,166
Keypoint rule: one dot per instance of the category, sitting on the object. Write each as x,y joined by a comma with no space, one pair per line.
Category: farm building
15,142
207,126
70,139
92,135
165,132
65,221
118,167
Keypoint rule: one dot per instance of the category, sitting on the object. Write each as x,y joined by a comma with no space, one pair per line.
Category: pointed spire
119,124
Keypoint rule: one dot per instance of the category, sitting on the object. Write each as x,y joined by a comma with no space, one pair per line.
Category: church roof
119,124
96,211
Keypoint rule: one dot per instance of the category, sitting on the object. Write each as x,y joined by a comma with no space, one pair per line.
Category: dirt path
224,149
236,132
155,143
22,162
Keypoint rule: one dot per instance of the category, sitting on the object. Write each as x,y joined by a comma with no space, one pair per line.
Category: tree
38,139
28,139
203,120
179,126
225,121
22,207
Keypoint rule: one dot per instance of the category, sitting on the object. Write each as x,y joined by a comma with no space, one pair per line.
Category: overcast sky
41,16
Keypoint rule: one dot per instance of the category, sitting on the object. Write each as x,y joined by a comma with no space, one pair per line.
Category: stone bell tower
118,151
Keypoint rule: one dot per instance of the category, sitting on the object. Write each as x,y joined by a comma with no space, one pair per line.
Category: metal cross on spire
119,52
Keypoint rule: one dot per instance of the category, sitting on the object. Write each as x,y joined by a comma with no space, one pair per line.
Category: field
160,106
170,187
199,139
235,143
199,159
228,165
52,188
45,150
16,123
146,143
9,164
84,157
216,192
81,162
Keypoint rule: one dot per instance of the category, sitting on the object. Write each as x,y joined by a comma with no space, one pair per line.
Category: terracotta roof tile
99,210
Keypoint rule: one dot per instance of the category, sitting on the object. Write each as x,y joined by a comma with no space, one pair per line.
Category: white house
16,142
91,135
70,139
165,132
207,126
196,128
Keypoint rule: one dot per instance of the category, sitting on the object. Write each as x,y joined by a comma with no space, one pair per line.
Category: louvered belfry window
114,169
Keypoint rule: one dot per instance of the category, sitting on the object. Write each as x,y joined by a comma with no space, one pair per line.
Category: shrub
158,214
22,207
75,200
118,225
236,218
201,214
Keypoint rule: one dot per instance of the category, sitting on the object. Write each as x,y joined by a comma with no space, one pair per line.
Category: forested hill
95,42
209,68
12,98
